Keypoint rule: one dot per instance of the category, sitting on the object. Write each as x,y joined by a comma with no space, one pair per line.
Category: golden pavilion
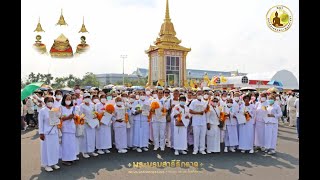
167,58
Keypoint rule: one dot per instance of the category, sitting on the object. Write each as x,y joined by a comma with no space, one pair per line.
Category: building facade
167,59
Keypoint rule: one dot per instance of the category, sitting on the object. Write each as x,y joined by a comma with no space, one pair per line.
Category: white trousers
159,129
271,135
199,135
213,138
168,132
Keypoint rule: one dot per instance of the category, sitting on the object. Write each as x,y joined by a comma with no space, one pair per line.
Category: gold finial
61,20
167,11
83,27
39,28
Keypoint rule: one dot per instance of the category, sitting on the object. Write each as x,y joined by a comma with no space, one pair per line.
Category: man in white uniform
296,104
199,123
292,110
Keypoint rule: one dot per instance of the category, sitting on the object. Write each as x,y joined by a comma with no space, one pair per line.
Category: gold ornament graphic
279,18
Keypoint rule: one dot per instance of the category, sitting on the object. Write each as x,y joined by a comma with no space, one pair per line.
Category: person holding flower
261,112
271,125
68,142
140,112
119,126
87,142
213,130
246,130
180,116
158,119
103,132
58,98
231,135
49,138
76,112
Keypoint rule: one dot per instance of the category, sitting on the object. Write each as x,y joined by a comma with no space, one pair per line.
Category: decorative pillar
162,72
150,71
184,60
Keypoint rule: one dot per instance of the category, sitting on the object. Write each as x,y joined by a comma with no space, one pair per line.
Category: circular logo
279,18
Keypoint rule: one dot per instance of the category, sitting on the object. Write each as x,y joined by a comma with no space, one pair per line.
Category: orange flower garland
126,118
155,105
79,120
223,116
99,115
247,115
109,108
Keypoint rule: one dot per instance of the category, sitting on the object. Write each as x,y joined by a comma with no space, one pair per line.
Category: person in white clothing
246,129
49,138
199,123
181,118
296,104
120,126
88,141
170,125
158,120
58,99
76,111
231,135
260,113
213,130
141,123
103,132
68,142
271,125
128,104
292,110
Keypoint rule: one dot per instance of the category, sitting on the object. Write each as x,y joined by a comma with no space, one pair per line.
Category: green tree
72,81
89,79
60,82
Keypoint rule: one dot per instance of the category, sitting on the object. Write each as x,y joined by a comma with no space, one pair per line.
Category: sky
223,35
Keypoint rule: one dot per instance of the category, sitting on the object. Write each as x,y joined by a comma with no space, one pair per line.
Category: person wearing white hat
87,142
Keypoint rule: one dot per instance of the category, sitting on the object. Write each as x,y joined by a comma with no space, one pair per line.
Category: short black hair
93,96
50,93
246,96
58,90
46,99
182,98
63,102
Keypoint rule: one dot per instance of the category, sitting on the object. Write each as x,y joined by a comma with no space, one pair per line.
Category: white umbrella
248,89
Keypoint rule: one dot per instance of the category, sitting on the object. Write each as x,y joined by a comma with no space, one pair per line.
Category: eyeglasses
167,92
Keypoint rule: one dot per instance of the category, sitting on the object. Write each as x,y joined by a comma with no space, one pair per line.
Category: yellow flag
191,83
223,79
160,83
206,79
213,81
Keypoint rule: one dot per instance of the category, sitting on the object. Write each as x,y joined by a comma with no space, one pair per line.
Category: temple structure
167,58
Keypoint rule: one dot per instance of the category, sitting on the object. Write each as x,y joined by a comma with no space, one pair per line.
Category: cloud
223,35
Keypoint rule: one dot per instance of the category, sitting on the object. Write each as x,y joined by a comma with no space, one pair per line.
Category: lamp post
123,57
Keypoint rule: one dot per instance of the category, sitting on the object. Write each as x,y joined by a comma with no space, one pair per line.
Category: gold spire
39,28
61,20
167,12
83,28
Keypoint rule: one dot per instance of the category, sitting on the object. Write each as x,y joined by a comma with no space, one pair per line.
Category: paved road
259,166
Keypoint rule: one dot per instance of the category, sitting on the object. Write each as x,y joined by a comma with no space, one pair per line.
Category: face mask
125,99
182,103
236,98
228,97
132,100
263,99
58,96
229,104
199,97
253,98
214,104
119,103
68,103
277,98
49,104
205,96
109,98
155,96
148,93
77,91
142,98
96,101
218,97
74,102
271,101
224,98
87,100
103,100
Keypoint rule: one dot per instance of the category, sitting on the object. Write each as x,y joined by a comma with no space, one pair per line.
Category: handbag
168,116
221,123
79,130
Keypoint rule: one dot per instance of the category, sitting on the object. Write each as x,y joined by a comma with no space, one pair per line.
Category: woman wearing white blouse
68,142
271,125
49,138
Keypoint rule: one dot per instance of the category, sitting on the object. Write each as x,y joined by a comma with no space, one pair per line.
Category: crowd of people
91,122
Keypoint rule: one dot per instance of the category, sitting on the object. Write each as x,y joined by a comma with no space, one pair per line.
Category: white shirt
198,106
44,126
296,104
68,126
